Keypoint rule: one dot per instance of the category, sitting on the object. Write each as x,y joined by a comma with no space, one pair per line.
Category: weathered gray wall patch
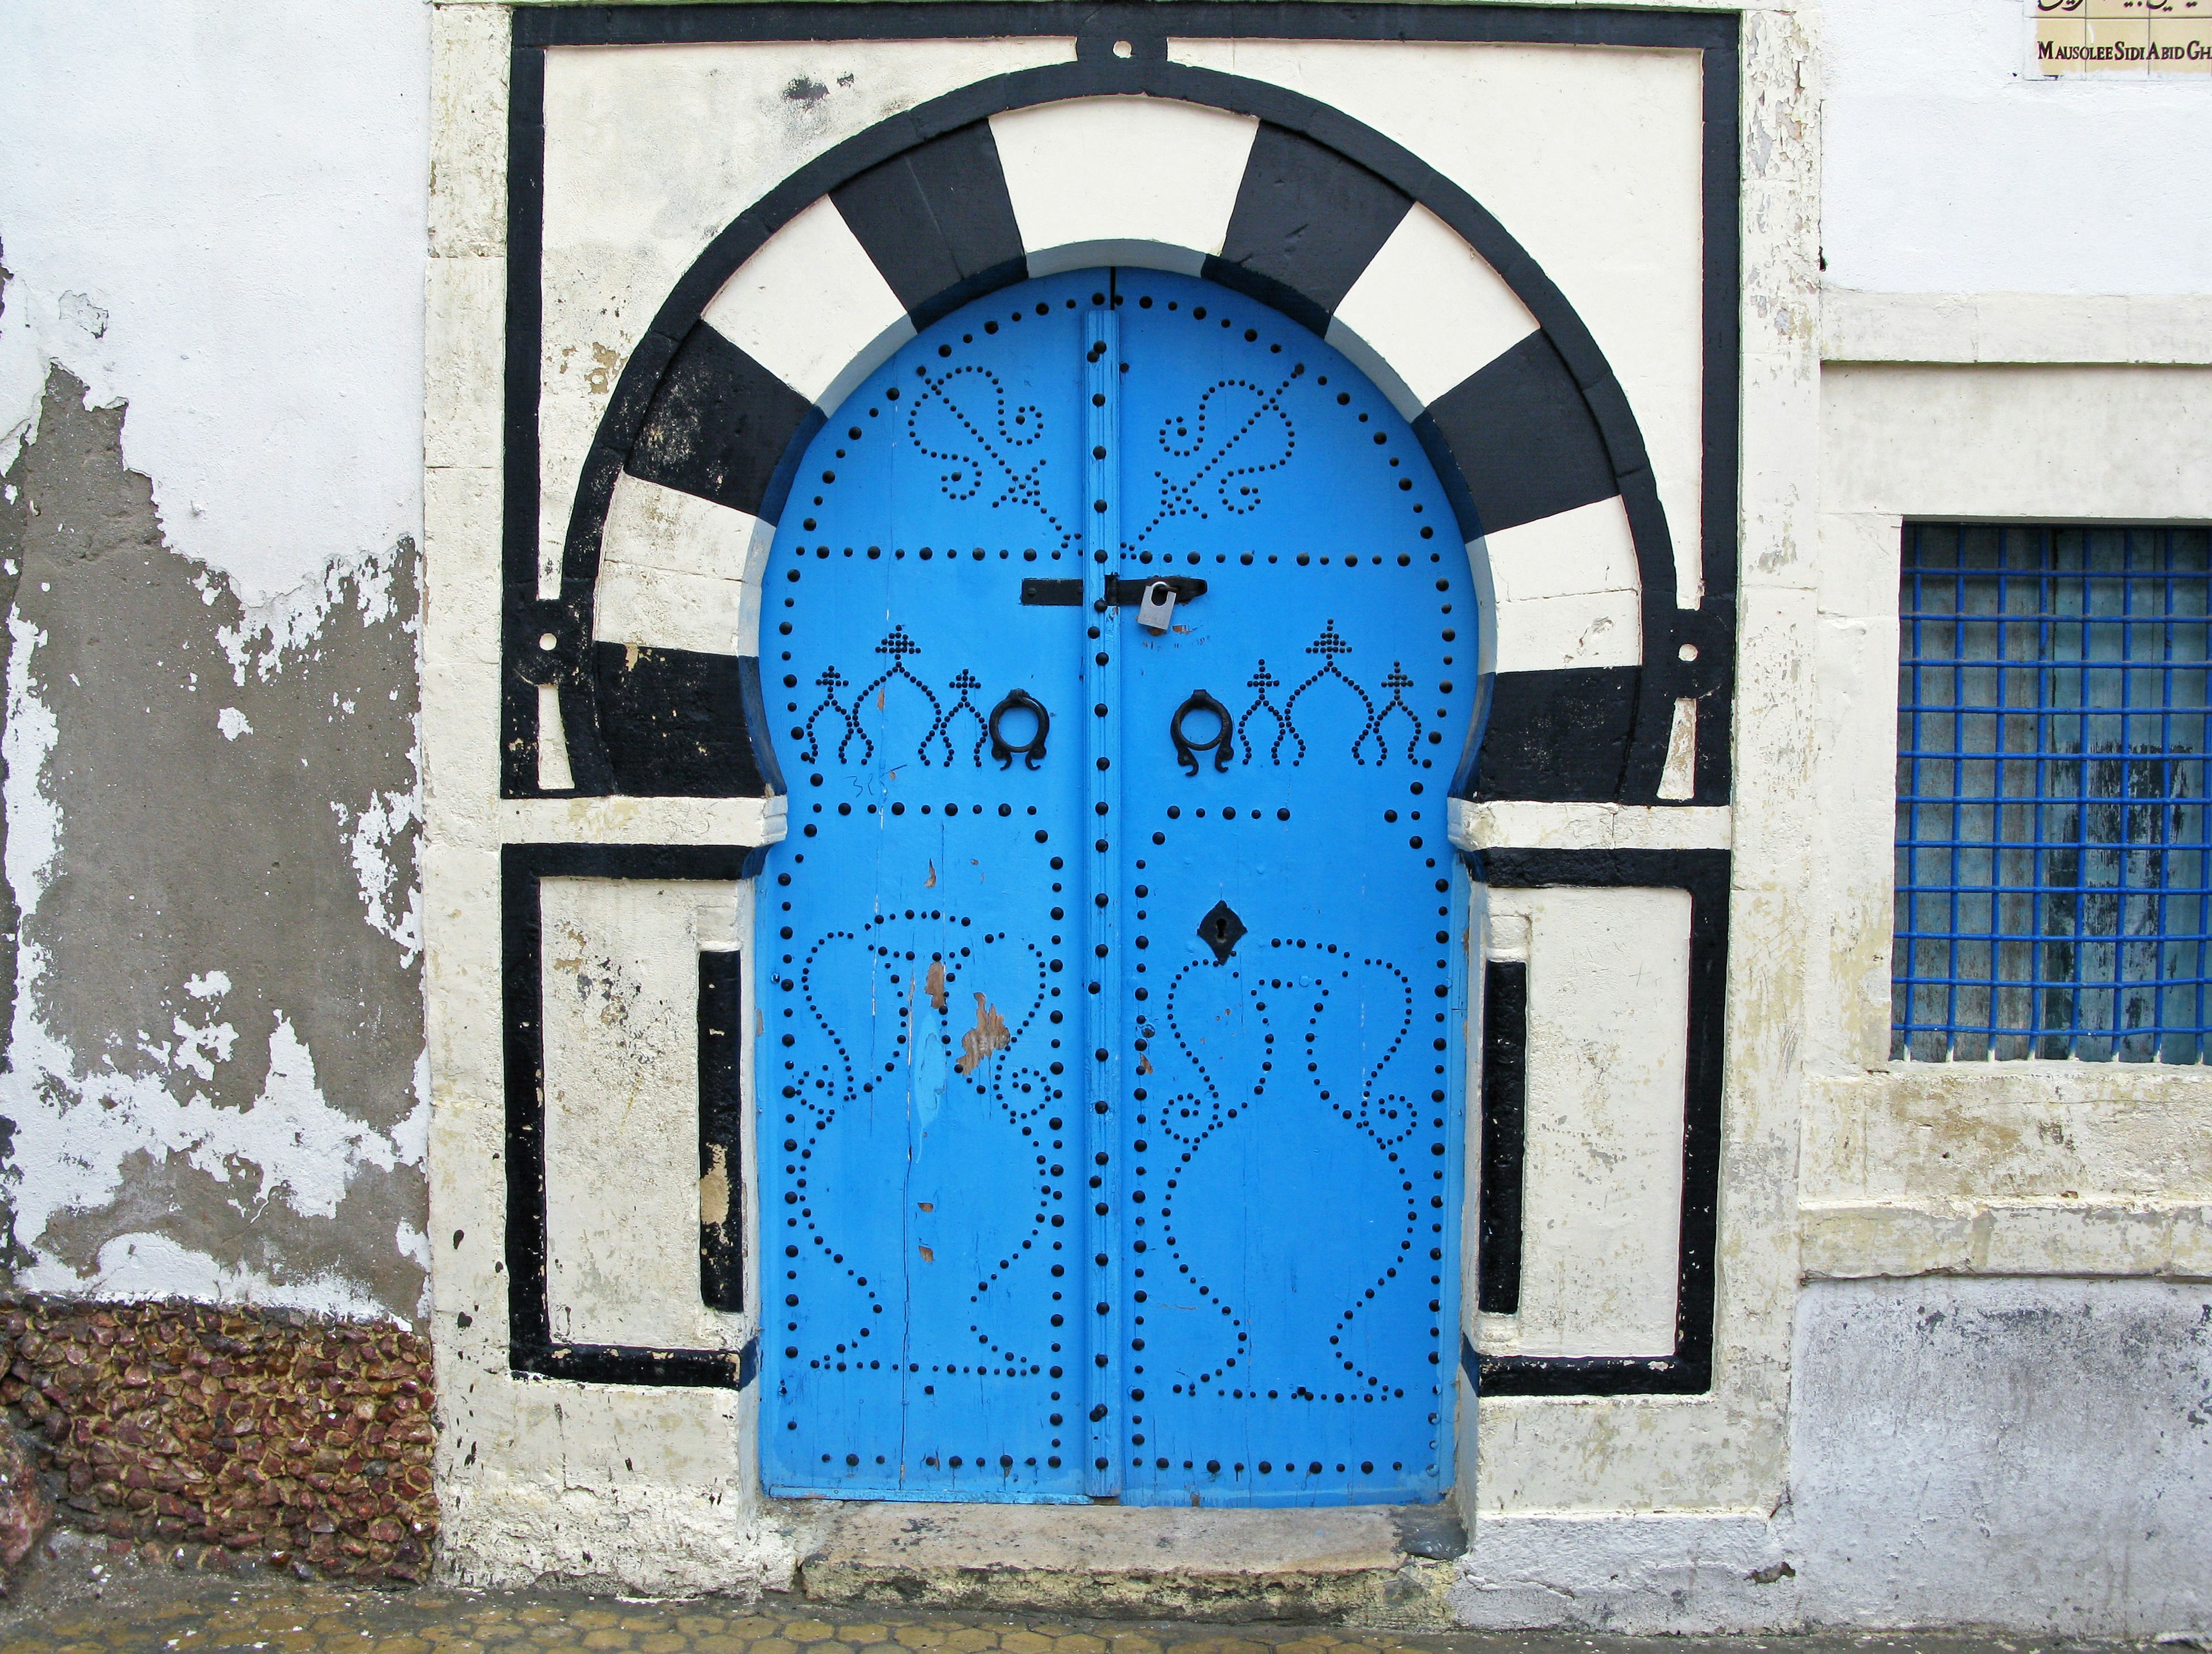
212,814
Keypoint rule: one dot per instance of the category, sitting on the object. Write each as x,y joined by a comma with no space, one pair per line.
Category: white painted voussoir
1091,171
1426,313
1091,255
1521,825
653,608
674,566
1588,549
812,307
665,528
1593,628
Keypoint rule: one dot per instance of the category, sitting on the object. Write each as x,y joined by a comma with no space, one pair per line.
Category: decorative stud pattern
1287,1287
961,418
1215,457
1101,1105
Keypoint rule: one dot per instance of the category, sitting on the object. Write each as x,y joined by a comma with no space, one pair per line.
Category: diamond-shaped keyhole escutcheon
1221,931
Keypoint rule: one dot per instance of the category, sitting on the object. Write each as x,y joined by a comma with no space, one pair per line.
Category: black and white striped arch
1132,161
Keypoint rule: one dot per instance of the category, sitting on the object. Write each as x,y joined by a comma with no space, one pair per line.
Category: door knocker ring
1187,750
1019,700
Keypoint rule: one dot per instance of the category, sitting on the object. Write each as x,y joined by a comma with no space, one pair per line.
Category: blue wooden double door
1111,994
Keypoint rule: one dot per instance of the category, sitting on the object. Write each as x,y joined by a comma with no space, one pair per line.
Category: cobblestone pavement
188,1616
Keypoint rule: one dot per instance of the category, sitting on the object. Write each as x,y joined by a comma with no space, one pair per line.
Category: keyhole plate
1221,931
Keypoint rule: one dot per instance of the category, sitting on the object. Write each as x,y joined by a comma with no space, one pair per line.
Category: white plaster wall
2030,1450
1642,1573
1608,1041
511,1513
2032,1454
215,211
620,978
1945,169
2008,1168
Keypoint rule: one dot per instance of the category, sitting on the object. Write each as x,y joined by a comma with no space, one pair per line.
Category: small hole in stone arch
547,641
1123,49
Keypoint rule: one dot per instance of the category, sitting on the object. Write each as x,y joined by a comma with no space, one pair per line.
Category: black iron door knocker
1187,750
1019,700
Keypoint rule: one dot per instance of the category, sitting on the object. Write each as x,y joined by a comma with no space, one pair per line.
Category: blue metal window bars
2054,850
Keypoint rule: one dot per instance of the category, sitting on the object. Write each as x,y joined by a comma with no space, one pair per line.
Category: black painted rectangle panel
1560,735
938,222
1689,1369
1504,1134
720,427
1526,443
531,1350
1307,222
722,1121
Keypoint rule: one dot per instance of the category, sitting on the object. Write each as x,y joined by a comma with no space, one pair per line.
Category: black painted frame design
1539,737
1504,1136
722,1126
532,1349
1689,1369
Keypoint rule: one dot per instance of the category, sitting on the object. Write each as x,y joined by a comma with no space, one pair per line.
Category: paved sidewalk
189,1615
83,1596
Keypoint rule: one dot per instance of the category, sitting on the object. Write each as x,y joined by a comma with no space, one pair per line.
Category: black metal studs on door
1019,700
1220,746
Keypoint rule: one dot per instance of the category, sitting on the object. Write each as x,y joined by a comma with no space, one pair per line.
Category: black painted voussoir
1523,439
673,723
1561,735
718,426
634,391
1307,222
937,219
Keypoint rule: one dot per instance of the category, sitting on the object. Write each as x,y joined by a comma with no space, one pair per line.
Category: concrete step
1371,1565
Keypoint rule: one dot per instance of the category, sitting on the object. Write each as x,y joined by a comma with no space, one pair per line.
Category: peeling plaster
214,1080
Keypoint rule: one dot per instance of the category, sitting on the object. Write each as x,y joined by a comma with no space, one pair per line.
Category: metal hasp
1051,594
1066,1193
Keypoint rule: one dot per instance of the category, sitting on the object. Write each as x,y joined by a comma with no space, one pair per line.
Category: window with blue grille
2054,851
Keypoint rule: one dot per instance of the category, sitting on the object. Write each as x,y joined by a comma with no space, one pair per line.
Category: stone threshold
1365,1566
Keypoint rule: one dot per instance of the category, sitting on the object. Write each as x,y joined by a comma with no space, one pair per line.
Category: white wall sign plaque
2148,38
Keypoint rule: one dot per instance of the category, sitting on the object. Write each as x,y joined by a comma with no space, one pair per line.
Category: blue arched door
1110,1073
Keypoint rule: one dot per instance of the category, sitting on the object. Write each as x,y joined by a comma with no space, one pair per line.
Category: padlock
1156,605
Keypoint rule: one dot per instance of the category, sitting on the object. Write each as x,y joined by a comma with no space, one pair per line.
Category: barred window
2053,847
